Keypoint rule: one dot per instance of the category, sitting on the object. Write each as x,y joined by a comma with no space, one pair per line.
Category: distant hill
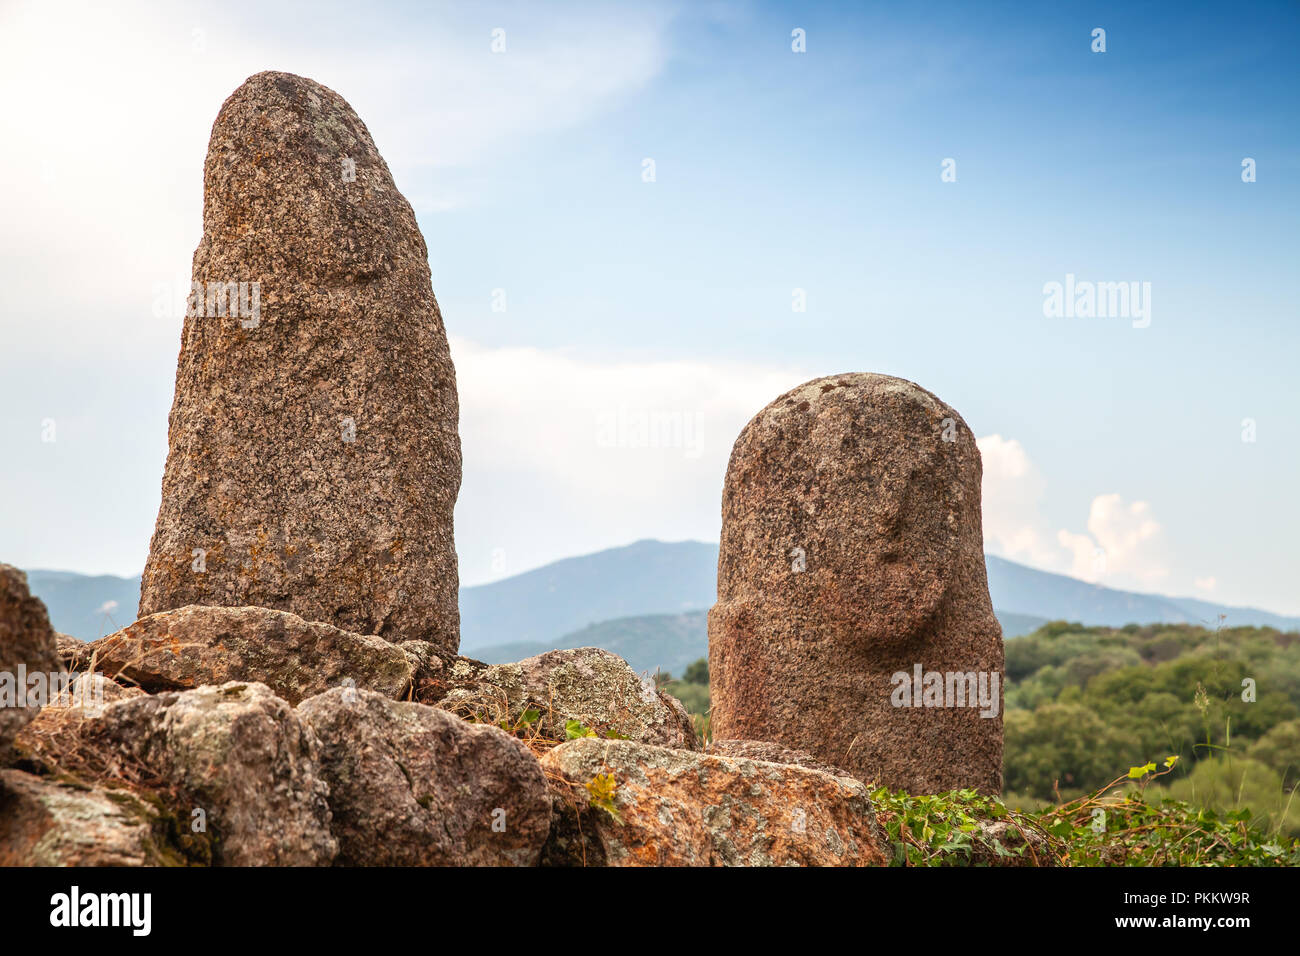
663,582
1018,625
1059,597
86,606
649,642
648,577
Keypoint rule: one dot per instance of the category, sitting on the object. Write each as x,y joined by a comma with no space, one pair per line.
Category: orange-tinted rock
684,808
852,553
192,646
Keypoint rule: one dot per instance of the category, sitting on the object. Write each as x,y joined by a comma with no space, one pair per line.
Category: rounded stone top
852,497
295,180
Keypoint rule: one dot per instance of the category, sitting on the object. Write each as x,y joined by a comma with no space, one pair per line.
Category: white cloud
109,109
1013,489
1124,542
1205,584
1122,547
565,454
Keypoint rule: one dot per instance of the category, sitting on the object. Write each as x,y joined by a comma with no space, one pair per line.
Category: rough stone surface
236,752
772,753
592,686
852,550
27,646
297,659
69,648
412,785
63,823
678,808
292,507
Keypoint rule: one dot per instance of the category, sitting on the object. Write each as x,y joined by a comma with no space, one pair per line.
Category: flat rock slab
678,808
197,645
772,753
412,785
587,684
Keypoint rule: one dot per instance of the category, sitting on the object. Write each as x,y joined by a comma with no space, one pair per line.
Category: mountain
549,605
86,606
1017,625
649,642
1060,597
647,591
647,577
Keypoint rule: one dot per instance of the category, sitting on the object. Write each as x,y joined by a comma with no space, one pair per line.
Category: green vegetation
693,691
1135,826
1083,701
1208,720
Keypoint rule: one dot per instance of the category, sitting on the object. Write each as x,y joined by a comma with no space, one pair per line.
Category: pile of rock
222,746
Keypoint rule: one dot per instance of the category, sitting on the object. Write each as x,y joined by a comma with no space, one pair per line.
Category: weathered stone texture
680,808
412,785
314,456
297,659
47,822
852,550
235,753
592,686
27,647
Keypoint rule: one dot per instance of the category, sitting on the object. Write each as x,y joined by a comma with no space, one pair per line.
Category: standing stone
28,652
851,554
314,457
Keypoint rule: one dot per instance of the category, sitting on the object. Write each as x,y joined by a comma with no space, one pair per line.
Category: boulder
621,803
45,822
29,658
297,659
233,767
412,785
597,689
314,458
853,619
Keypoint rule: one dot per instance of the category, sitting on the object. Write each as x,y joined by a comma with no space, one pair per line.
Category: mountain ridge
650,578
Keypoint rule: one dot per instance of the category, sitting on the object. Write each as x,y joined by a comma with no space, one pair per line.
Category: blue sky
774,171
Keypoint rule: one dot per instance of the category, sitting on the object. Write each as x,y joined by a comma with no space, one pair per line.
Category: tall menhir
314,457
